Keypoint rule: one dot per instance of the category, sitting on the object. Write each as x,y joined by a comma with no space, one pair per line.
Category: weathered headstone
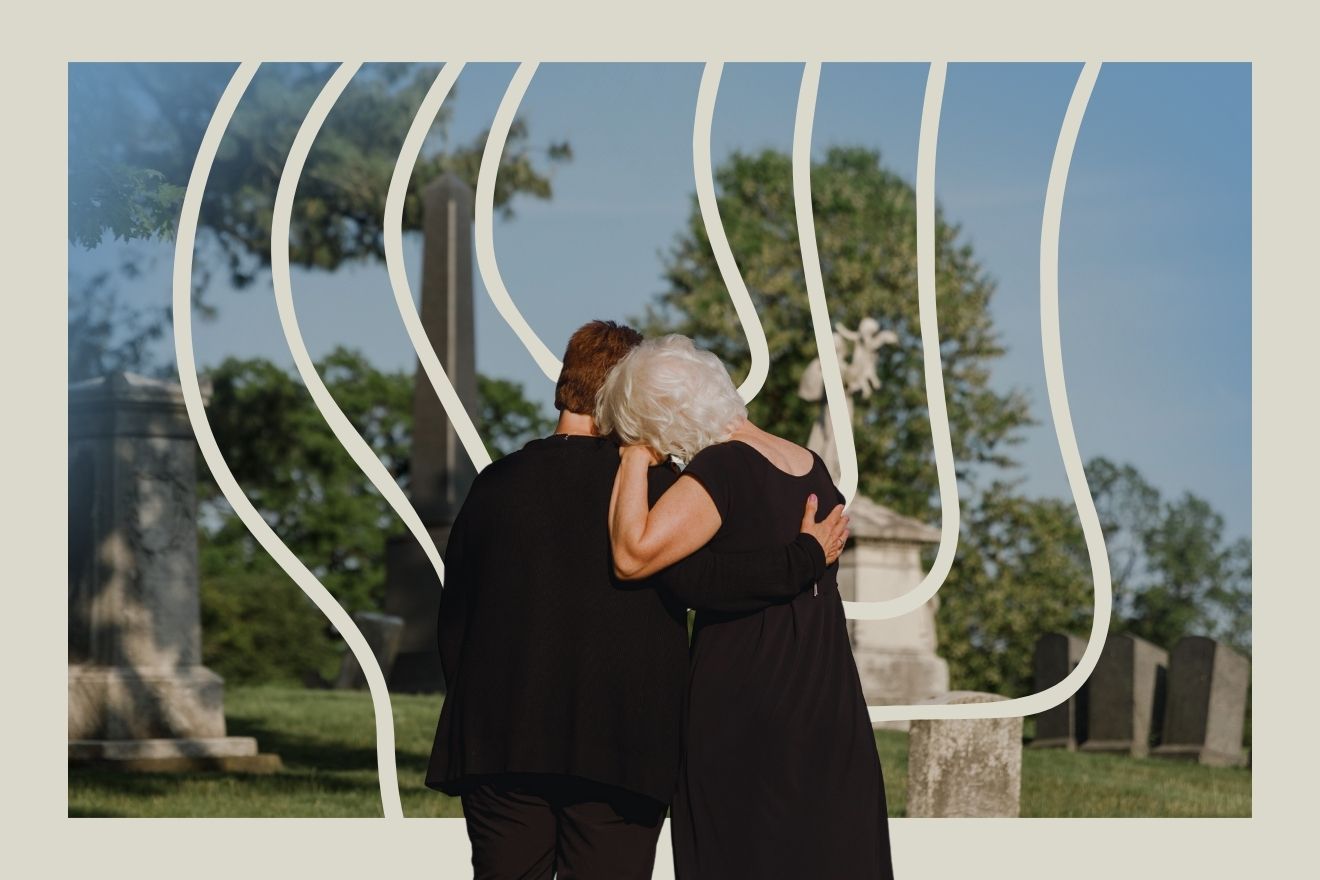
1126,696
139,696
382,632
896,658
441,472
1064,725
1205,713
964,767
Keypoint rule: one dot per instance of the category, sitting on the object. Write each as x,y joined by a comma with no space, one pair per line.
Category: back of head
593,350
671,396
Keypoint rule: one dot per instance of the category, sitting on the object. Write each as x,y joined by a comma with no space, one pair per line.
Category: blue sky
1155,296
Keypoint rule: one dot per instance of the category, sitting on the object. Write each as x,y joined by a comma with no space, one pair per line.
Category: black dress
779,776
551,665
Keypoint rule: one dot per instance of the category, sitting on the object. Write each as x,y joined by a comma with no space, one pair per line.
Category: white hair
670,395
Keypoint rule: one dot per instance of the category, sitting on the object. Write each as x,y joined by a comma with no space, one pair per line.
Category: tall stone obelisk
441,471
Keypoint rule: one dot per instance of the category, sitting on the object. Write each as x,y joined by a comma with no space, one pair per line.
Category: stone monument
896,658
964,766
139,696
1064,725
441,471
1126,696
1205,714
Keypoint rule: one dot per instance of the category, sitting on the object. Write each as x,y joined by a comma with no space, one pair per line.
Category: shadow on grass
303,752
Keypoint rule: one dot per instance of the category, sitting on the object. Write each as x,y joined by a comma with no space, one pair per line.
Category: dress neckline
814,459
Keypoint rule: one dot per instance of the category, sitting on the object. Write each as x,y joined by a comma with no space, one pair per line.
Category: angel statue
860,376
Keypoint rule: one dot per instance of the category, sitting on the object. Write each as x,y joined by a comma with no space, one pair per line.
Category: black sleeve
710,468
737,582
455,600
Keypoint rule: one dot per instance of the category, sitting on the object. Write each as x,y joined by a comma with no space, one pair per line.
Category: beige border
1270,34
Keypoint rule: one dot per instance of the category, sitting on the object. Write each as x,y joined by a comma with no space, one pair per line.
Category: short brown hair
593,349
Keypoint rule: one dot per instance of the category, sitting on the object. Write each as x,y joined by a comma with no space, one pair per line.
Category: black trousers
533,826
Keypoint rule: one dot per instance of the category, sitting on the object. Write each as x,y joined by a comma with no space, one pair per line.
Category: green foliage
134,130
106,334
299,477
1196,578
508,419
258,626
257,623
1021,571
866,234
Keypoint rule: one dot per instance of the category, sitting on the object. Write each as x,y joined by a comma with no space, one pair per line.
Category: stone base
231,754
1202,755
122,703
900,679
1114,747
966,767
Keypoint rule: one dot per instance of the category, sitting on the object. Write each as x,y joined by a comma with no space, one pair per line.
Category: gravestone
1064,725
441,471
1126,696
964,767
139,696
1205,713
382,633
896,658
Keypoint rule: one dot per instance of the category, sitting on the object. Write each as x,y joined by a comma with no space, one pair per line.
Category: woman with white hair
779,776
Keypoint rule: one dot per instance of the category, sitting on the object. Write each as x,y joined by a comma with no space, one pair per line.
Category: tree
1021,571
1198,585
107,334
1128,507
508,419
134,130
257,624
865,228
1173,573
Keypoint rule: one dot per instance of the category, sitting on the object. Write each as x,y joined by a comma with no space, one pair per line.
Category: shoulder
716,468
820,467
716,455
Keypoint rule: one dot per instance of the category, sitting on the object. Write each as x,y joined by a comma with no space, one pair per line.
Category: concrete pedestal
135,670
896,658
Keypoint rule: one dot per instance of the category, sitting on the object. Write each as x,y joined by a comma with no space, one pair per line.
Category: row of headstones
1141,700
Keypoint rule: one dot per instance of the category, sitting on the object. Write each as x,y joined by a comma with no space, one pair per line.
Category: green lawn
327,742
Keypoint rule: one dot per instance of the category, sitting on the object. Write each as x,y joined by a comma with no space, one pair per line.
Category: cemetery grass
326,740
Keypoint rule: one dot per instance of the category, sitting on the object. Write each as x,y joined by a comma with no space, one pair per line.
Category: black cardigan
553,665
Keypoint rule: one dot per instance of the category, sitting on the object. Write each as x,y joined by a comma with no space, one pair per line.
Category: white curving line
1063,431
485,210
360,451
950,510
835,396
757,346
403,298
215,461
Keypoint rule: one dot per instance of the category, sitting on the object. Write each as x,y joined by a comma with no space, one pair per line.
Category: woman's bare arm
646,539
